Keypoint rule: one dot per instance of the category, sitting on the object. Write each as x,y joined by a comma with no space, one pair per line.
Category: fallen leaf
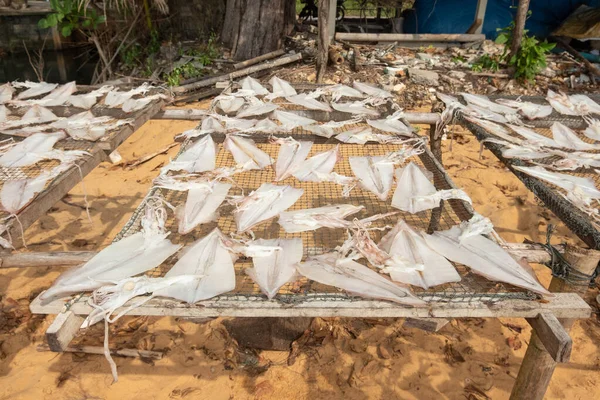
514,342
79,243
383,352
513,327
452,356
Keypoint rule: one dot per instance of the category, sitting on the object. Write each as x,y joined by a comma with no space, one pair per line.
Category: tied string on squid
560,266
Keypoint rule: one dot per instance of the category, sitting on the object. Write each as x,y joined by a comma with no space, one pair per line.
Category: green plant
132,56
70,15
487,62
186,71
530,59
154,43
458,59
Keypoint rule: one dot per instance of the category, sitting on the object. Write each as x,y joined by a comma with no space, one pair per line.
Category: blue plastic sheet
456,16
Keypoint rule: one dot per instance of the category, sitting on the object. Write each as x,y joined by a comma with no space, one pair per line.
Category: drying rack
552,196
472,297
58,187
115,137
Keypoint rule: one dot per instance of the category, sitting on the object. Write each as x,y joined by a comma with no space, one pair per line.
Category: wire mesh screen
324,240
301,133
35,170
284,104
551,195
572,121
98,110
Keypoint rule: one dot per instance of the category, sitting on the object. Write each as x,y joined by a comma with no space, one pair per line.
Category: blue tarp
456,16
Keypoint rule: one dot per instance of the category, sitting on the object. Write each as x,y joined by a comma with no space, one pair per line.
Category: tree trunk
519,27
323,39
256,27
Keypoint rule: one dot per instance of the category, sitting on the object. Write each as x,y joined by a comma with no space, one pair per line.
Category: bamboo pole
258,59
538,365
238,74
191,114
408,37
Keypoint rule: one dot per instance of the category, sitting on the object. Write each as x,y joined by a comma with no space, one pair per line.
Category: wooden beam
480,16
592,69
538,364
331,19
62,330
553,336
258,59
44,259
58,188
237,74
426,324
112,141
408,37
562,305
530,252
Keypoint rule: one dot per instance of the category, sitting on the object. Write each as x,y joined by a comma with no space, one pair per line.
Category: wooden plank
148,354
562,305
62,330
57,190
45,259
426,324
409,37
33,8
114,140
553,336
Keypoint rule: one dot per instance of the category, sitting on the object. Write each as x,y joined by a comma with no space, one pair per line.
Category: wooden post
60,58
435,144
62,330
477,25
323,40
538,365
519,26
331,19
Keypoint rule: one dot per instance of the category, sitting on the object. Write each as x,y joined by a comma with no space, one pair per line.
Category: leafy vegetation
527,62
196,67
69,15
531,57
487,62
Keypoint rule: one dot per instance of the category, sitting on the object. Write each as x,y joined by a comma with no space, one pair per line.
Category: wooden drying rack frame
550,319
540,359
66,181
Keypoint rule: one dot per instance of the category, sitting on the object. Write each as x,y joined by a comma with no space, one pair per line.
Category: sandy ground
337,358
